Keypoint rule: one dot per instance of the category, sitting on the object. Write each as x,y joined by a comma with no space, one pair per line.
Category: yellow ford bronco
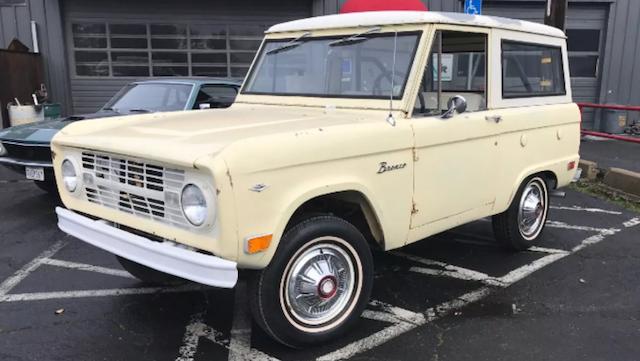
351,132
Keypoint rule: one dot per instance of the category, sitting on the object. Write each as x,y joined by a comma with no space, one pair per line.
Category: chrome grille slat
134,186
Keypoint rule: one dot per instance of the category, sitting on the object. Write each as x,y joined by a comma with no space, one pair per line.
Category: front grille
134,186
28,152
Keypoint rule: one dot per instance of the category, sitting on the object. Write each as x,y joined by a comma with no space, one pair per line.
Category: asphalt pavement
611,153
454,296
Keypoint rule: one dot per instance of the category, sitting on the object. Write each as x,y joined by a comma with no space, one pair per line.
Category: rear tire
317,284
521,225
149,275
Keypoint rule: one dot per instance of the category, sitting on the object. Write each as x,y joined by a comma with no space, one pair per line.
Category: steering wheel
377,83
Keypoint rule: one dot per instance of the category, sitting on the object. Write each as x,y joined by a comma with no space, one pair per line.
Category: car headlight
69,176
194,205
3,150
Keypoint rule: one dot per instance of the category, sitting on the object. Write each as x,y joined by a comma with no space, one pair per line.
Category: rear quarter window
531,70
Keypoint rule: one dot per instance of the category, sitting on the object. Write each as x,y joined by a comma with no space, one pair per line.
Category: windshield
339,66
150,97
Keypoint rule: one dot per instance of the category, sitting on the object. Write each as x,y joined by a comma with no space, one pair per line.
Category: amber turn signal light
258,244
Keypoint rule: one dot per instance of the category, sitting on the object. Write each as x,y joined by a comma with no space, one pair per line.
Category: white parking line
632,222
240,343
369,342
15,181
194,330
522,272
481,277
582,209
23,272
378,338
563,225
87,267
447,269
546,250
197,330
398,313
40,296
596,238
379,316
445,308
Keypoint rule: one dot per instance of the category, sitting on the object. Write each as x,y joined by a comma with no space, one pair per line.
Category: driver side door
455,158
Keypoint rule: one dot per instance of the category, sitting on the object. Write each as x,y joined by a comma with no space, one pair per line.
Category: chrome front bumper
25,163
165,257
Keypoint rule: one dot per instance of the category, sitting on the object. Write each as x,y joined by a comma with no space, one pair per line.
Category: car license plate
35,173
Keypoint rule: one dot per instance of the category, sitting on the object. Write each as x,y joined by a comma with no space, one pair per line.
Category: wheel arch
548,175
349,202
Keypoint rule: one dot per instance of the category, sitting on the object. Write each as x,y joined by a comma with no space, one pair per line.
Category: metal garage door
586,27
111,43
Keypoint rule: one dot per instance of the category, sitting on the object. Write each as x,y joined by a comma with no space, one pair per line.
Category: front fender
269,213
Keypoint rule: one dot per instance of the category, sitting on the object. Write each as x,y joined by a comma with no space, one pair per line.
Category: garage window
584,52
530,70
103,49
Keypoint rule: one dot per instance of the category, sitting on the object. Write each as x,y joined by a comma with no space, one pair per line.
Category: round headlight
194,205
69,175
3,150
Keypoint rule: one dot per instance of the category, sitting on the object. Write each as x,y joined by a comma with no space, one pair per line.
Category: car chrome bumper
25,163
164,257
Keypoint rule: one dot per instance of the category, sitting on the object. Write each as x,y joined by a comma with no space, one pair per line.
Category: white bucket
25,114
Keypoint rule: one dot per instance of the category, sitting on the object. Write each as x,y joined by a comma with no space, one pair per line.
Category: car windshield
150,97
358,66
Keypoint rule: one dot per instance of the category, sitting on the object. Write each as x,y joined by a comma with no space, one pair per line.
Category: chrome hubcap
532,210
320,284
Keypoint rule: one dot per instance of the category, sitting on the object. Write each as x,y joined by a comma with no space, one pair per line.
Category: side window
530,70
215,96
456,66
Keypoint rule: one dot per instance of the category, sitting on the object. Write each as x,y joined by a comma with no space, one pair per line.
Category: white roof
375,18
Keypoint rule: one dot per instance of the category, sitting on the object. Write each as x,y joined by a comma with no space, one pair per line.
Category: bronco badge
385,167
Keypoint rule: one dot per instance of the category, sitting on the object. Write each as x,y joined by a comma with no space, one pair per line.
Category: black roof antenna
390,119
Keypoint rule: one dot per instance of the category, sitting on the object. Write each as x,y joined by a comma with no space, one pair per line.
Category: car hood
43,131
182,137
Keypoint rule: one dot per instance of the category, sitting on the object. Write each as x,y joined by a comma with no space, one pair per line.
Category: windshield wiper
139,111
289,45
355,38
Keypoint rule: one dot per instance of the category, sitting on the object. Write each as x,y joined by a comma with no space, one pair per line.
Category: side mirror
455,104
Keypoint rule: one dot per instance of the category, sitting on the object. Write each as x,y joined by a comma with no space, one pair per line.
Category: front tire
317,284
521,226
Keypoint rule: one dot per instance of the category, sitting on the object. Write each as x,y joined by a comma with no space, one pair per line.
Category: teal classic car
26,148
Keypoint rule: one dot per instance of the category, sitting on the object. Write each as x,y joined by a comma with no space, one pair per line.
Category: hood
43,131
182,137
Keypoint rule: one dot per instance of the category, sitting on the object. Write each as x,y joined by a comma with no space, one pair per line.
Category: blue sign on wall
473,7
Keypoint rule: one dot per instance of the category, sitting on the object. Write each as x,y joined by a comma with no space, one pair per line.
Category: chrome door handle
494,118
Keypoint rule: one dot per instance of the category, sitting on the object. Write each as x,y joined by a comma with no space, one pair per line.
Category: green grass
599,190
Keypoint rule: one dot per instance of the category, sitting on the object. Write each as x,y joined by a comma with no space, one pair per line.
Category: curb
617,178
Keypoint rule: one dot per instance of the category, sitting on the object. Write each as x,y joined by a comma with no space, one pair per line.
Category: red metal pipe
611,136
632,108
607,135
